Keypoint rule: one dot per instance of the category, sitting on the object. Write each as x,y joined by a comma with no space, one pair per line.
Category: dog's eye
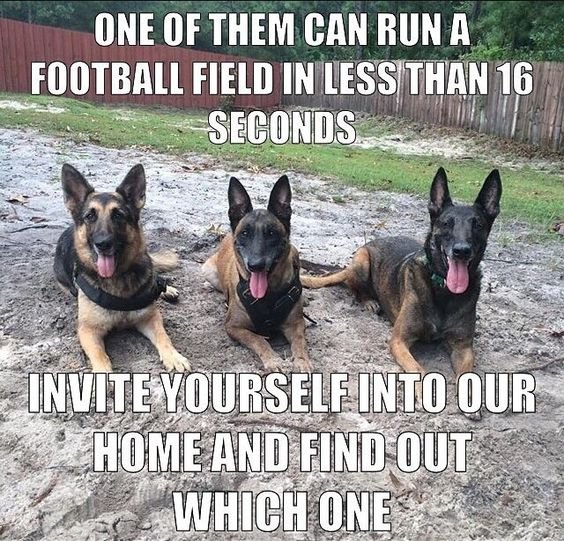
447,223
244,233
477,224
90,216
118,216
270,232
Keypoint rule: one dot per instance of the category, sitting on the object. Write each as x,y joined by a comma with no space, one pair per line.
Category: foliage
520,30
498,29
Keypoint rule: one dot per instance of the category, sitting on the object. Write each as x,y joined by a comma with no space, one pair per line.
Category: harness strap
147,294
268,313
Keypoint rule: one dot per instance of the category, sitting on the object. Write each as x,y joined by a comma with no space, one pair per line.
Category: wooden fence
22,43
535,118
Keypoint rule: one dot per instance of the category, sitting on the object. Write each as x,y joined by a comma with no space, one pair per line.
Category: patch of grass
375,127
534,196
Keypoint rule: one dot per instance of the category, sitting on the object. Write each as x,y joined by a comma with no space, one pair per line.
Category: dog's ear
239,202
133,186
490,194
439,196
279,202
75,189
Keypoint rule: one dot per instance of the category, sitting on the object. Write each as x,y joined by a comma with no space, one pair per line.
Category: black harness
146,295
268,313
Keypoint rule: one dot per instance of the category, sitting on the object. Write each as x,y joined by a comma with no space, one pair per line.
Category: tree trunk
388,55
360,7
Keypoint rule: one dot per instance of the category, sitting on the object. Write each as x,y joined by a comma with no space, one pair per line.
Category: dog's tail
334,277
164,260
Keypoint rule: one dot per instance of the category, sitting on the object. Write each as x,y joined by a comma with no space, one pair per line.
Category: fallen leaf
559,228
46,491
215,229
38,219
396,482
18,199
507,499
419,496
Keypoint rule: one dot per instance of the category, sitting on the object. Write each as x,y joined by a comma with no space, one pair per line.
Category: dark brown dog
103,260
429,292
258,270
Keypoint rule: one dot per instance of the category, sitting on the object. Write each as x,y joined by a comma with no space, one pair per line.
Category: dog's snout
256,265
461,250
104,243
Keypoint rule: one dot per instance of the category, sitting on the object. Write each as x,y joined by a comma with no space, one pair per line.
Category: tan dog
258,270
103,260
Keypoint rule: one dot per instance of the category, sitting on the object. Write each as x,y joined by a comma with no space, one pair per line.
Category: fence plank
22,43
535,119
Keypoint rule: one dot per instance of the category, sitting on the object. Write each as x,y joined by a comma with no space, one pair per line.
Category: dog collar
146,295
268,313
436,279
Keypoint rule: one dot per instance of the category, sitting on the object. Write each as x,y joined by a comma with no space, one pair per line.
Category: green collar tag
437,279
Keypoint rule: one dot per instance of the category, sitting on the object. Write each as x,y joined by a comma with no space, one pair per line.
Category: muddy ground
513,488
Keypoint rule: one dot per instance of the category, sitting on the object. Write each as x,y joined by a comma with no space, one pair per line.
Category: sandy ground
513,488
19,106
411,138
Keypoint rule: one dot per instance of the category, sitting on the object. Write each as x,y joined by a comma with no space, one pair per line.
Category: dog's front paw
272,364
476,416
101,365
176,361
170,294
419,396
371,306
303,364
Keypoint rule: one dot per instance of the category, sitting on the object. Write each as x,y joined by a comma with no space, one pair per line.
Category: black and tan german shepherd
258,270
429,291
103,260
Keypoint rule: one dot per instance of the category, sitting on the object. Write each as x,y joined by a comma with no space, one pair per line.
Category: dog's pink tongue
258,284
106,265
457,276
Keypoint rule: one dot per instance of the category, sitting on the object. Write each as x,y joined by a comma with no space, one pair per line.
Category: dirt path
514,485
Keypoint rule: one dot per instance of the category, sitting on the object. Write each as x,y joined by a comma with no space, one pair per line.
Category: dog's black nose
461,250
104,243
257,265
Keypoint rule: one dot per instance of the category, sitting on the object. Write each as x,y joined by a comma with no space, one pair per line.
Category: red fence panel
22,43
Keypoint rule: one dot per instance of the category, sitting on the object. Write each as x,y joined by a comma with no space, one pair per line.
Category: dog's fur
401,275
260,239
107,223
